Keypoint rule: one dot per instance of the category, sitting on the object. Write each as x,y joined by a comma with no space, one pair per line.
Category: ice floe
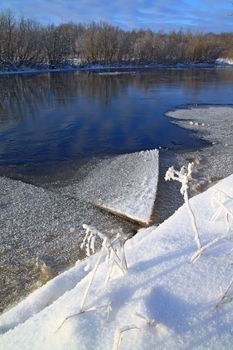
125,185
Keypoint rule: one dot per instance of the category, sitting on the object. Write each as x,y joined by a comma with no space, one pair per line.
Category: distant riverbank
112,67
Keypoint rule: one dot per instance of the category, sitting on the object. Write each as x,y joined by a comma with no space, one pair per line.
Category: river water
55,127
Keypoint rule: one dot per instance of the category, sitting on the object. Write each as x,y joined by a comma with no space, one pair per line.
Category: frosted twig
92,229
119,335
149,322
92,277
223,200
205,247
90,238
225,297
184,176
116,256
107,306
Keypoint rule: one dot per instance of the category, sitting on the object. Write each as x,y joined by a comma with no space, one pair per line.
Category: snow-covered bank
166,301
113,69
34,70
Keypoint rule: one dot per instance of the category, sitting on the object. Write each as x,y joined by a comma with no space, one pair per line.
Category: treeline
24,42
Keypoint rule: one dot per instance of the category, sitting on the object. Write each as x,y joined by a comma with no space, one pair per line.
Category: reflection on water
63,116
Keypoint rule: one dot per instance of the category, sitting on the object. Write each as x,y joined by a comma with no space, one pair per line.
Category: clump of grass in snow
114,251
114,254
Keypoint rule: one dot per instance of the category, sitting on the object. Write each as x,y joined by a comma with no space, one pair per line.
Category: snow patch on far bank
224,61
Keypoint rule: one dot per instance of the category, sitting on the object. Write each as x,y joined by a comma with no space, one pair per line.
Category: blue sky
199,15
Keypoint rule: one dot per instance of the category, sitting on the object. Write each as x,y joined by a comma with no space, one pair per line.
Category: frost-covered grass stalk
148,321
199,252
92,276
224,207
223,204
107,307
225,295
184,176
115,255
119,332
119,335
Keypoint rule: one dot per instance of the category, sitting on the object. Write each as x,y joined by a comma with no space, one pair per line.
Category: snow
214,124
116,73
76,65
44,296
224,61
164,300
125,185
33,70
129,185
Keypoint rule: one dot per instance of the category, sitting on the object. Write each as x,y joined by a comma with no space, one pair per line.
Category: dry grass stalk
225,298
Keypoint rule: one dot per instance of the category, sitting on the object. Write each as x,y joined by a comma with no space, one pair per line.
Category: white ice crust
128,185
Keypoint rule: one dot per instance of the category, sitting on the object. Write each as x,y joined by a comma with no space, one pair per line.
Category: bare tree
26,42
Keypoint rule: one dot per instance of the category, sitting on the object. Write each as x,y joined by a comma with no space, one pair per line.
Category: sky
166,15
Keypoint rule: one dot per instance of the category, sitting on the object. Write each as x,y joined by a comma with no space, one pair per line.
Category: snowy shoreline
220,63
165,300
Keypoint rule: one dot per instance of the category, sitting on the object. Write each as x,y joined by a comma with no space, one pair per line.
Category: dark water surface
66,116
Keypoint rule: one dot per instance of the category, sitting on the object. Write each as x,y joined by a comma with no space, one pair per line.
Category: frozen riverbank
41,229
225,61
167,301
114,68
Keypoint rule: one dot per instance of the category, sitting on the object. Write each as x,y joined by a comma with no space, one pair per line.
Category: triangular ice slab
127,185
